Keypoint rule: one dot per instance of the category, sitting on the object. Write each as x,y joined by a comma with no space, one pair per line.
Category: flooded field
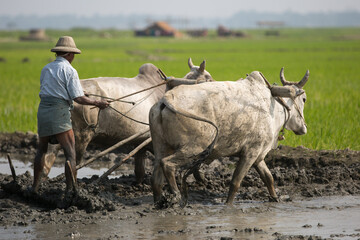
319,192
328,217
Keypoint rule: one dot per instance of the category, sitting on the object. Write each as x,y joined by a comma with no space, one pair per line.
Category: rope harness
94,126
134,103
286,107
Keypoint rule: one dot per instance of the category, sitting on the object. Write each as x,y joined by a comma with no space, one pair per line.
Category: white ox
199,123
109,126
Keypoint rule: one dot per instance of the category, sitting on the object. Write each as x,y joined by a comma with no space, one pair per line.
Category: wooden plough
117,165
117,145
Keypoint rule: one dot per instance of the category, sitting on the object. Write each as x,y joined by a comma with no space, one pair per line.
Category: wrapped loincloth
53,116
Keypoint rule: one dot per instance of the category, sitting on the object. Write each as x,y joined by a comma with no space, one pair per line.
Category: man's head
66,48
65,44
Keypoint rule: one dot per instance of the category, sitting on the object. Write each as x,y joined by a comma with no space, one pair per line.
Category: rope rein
112,99
94,126
286,107
124,115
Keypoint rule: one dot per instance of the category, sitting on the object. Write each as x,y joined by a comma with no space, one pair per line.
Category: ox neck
284,111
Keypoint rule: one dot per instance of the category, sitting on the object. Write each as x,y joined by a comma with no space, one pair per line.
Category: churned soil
299,174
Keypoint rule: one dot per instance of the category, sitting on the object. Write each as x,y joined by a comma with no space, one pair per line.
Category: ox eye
304,99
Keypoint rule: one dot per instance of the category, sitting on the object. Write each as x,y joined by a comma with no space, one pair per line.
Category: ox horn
299,84
303,80
202,67
190,63
282,78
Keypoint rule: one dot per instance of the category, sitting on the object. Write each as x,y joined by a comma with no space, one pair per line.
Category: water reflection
22,165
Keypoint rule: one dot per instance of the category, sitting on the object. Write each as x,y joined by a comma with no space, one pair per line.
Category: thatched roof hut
158,29
36,35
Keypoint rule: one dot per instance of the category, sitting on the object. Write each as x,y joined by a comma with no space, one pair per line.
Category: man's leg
67,142
39,162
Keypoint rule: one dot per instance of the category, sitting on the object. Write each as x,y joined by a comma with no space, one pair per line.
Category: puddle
23,165
336,217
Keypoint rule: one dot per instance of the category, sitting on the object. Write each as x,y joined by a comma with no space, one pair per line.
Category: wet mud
301,175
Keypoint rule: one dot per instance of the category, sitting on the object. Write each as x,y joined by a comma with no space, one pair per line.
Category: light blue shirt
59,79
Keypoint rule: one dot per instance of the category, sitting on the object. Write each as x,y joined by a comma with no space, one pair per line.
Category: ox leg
241,170
169,173
163,168
198,175
140,165
268,179
50,157
157,181
82,140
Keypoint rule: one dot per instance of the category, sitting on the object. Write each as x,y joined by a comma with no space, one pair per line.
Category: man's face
71,57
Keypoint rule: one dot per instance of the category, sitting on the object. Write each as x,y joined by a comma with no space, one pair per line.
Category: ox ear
190,63
202,67
299,92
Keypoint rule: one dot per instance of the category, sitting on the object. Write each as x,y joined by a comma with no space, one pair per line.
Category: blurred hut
159,29
197,32
36,35
222,31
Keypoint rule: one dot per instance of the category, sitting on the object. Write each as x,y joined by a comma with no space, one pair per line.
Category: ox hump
148,69
256,76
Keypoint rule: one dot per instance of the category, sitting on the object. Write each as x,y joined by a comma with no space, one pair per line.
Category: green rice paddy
332,110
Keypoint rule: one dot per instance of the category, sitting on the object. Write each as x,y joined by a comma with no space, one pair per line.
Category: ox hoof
168,201
285,198
30,192
70,194
274,199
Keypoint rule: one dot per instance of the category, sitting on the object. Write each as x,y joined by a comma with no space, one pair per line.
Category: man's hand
102,104
84,100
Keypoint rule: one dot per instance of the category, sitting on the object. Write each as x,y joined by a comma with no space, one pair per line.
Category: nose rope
283,103
286,110
298,109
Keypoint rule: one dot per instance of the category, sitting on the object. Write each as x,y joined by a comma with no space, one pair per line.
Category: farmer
59,87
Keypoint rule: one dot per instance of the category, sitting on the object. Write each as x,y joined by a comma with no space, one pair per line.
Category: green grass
332,111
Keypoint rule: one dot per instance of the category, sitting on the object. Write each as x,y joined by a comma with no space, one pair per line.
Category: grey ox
110,126
199,123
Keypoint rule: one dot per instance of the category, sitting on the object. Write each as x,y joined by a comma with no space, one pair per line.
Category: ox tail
199,158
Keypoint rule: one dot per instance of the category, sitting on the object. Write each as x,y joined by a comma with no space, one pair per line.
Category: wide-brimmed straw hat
66,44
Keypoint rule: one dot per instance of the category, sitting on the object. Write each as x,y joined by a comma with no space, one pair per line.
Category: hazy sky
178,8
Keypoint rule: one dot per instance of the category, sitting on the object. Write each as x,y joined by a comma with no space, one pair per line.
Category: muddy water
337,217
23,165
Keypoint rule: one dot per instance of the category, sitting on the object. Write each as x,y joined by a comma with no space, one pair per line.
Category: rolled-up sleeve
74,87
